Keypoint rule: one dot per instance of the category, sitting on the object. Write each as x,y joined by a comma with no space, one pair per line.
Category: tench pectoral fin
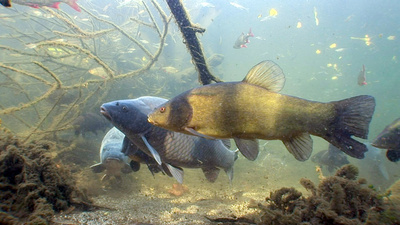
300,146
195,133
266,74
211,174
153,152
249,148
98,168
176,172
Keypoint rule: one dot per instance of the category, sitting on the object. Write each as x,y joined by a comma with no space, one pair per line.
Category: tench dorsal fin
300,146
249,148
153,152
266,74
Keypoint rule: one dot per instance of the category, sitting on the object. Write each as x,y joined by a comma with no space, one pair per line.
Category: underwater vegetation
33,187
338,199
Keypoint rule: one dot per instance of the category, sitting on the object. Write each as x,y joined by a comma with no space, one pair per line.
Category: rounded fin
249,148
266,74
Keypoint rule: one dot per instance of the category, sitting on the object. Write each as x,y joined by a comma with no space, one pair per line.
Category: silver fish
332,158
112,160
171,150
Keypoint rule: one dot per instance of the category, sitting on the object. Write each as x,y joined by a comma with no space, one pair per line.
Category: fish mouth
104,112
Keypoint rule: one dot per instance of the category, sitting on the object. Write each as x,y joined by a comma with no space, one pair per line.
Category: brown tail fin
353,116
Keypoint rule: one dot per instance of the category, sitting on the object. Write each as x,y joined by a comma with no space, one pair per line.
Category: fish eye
162,109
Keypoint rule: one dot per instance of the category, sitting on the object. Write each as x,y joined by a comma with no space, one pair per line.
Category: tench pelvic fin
249,148
266,74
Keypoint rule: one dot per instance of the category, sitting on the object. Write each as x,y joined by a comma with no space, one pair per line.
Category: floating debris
391,38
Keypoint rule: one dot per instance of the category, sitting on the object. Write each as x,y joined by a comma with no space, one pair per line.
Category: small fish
316,16
389,139
391,38
361,80
170,69
299,25
374,162
112,160
242,40
332,45
340,49
206,5
253,109
171,150
49,3
332,158
98,71
5,3
236,5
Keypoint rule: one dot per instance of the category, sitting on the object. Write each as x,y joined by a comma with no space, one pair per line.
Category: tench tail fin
353,116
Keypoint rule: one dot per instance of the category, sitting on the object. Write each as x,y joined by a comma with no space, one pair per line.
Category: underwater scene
199,112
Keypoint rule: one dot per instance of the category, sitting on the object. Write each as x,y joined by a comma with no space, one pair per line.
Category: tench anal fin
153,152
211,174
98,168
249,148
266,74
300,146
176,172
195,133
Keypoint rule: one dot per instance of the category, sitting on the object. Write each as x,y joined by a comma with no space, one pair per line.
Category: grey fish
90,122
375,161
113,161
242,40
332,158
171,150
5,3
389,139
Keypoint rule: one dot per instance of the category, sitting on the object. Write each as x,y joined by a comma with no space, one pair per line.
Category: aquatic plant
33,187
339,199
